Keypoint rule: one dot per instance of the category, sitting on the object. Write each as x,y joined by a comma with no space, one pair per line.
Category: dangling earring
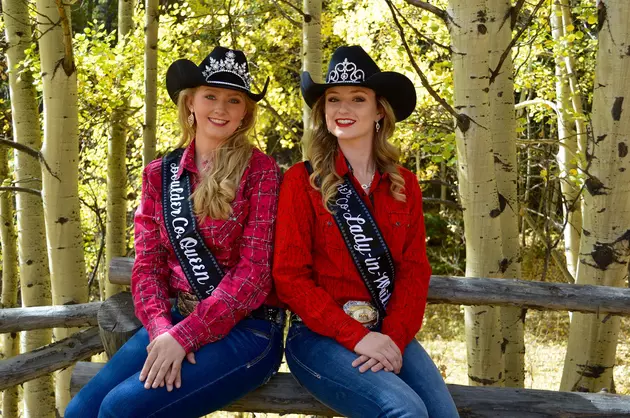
241,123
191,120
378,126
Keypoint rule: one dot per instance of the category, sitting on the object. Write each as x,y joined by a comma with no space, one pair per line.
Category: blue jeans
225,370
324,368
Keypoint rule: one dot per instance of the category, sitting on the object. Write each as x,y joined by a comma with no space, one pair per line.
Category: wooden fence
282,394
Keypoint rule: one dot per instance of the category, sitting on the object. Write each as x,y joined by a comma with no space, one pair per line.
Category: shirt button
329,223
397,223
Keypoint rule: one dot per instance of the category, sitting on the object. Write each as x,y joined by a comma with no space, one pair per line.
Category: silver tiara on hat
346,72
228,65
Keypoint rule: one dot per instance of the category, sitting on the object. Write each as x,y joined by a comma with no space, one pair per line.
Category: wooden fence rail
282,395
452,290
499,292
45,317
59,355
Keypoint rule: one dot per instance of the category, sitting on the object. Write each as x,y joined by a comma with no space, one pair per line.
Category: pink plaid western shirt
241,244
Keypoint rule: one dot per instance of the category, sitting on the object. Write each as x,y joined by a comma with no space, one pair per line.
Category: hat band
227,84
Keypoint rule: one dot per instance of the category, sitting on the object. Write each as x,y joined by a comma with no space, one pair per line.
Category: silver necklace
367,185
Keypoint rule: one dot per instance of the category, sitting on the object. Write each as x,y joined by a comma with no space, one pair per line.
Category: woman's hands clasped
163,365
377,352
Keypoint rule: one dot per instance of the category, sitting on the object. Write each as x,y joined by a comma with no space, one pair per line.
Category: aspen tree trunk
150,80
311,53
576,96
567,151
502,126
61,151
115,232
8,299
604,246
580,123
38,394
477,182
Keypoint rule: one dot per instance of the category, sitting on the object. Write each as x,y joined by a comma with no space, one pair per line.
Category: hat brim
185,74
395,87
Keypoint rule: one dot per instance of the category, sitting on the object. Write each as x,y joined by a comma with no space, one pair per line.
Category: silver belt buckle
362,311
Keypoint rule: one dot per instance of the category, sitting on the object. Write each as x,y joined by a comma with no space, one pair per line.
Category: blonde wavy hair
323,146
219,181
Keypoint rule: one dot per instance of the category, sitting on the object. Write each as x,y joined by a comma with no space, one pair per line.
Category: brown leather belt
187,302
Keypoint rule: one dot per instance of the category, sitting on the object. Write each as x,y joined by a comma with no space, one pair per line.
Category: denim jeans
225,370
324,368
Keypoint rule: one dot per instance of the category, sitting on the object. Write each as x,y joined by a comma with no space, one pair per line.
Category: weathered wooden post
117,322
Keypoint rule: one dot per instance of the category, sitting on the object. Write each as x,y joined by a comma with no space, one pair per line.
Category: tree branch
556,257
98,261
276,114
30,151
526,103
438,183
495,73
286,15
514,11
448,203
463,121
441,13
294,7
20,147
422,35
21,189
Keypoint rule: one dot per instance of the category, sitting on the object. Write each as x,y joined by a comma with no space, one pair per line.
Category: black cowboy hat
225,68
352,66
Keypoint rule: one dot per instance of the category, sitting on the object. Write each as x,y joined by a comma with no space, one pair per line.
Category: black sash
365,242
199,265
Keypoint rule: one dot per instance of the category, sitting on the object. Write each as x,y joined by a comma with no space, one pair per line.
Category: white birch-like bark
8,299
477,183
567,151
115,231
38,394
311,53
150,80
576,96
61,151
605,241
502,125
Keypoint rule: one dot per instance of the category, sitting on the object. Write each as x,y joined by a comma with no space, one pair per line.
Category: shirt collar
341,166
188,160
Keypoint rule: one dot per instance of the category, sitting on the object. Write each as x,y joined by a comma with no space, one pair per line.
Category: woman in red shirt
350,257
204,233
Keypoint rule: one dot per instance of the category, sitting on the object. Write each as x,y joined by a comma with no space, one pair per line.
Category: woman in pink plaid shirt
203,235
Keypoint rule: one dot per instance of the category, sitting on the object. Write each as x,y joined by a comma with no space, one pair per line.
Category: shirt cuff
158,326
397,333
350,333
187,333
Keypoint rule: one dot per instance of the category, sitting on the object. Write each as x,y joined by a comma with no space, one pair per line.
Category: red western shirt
315,275
241,244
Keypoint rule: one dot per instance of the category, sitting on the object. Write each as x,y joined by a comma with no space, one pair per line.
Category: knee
76,408
116,405
402,405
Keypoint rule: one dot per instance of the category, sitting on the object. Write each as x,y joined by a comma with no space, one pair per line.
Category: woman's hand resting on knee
377,351
164,363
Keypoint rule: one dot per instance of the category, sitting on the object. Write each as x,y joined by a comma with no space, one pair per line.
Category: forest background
521,159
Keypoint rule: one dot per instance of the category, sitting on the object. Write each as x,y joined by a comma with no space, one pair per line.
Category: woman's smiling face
218,112
351,111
